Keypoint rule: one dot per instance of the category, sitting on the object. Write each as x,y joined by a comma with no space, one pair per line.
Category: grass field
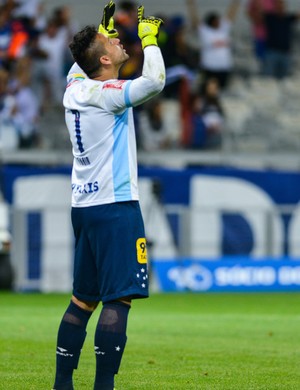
179,341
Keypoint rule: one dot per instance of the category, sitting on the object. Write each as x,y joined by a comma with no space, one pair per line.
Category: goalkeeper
110,260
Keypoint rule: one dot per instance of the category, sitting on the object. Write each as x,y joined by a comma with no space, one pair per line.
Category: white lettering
289,275
245,276
86,188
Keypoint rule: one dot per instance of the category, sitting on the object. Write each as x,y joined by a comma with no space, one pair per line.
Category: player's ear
105,60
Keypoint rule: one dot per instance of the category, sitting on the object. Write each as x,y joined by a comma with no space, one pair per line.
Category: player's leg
110,341
70,339
72,329
122,257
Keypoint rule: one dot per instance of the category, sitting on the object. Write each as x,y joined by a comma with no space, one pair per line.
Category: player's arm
233,9
193,14
153,76
152,80
116,95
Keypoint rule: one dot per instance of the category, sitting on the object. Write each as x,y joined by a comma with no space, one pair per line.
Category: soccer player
110,263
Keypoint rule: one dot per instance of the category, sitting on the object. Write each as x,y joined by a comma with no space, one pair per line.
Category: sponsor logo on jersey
115,84
87,188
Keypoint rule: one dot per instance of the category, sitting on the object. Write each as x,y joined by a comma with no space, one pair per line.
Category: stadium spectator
214,32
26,114
181,59
195,131
8,130
255,11
67,27
31,14
206,117
126,22
19,40
212,113
155,132
175,47
279,39
28,9
13,37
48,65
5,35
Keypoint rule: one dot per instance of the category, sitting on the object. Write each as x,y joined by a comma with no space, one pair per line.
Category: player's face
114,49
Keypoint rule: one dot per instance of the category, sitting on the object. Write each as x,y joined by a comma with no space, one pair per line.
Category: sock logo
63,352
97,352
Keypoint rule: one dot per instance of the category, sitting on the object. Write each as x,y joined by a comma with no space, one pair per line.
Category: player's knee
125,301
85,305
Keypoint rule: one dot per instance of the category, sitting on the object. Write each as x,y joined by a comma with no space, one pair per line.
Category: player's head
92,51
212,19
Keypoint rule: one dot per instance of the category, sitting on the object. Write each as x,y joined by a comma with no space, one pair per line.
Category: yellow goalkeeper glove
107,25
148,28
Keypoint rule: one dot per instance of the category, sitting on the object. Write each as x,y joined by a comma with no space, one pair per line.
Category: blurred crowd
198,53
34,59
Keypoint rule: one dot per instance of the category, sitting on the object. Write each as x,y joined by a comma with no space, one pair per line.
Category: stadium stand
261,113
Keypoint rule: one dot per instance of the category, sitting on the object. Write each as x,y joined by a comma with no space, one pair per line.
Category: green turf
178,341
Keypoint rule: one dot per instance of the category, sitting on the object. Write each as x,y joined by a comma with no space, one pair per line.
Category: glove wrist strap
108,33
149,40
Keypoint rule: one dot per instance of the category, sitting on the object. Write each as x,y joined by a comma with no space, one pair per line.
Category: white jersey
216,47
99,118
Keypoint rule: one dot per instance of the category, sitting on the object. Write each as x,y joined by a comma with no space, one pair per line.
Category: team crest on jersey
141,250
115,84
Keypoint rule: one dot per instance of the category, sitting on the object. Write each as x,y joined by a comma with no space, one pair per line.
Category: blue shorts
110,252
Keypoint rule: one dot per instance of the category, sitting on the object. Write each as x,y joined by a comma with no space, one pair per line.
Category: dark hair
127,6
86,52
211,19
